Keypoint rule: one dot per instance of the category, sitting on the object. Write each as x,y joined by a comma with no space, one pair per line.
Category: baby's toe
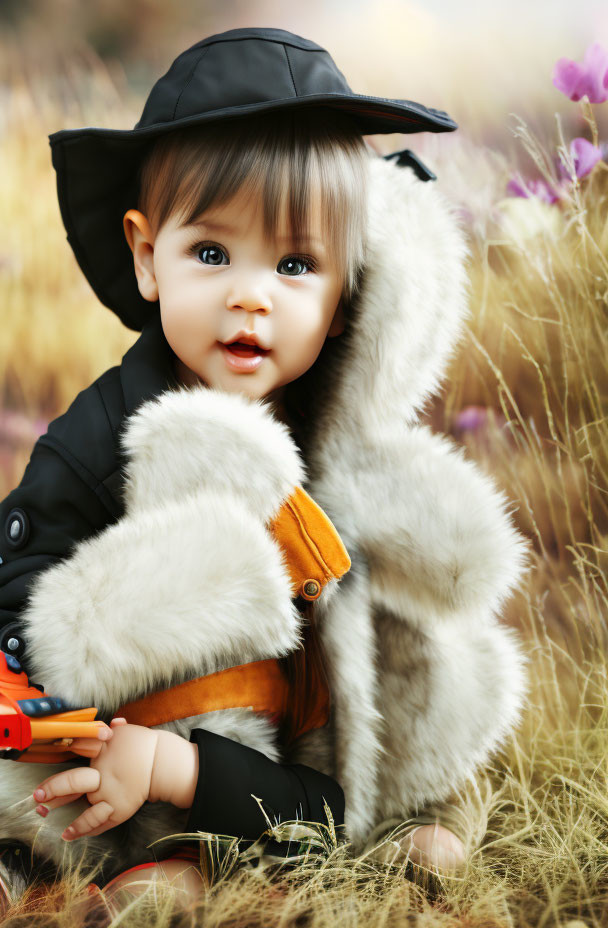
437,847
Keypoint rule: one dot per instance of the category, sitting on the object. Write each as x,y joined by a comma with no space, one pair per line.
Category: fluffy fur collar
426,682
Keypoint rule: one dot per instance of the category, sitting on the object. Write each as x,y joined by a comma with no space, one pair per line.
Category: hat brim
97,182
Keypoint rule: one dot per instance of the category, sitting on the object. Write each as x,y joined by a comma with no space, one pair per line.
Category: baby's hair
290,152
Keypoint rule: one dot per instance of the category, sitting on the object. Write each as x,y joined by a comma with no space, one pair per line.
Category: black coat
71,489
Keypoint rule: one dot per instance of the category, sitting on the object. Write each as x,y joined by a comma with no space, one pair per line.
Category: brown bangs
285,158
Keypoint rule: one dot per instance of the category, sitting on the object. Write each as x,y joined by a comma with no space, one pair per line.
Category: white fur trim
172,593
412,305
348,642
438,538
437,533
449,700
198,438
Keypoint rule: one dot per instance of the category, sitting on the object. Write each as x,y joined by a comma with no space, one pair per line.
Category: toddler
298,298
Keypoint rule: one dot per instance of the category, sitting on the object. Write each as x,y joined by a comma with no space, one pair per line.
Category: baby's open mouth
245,351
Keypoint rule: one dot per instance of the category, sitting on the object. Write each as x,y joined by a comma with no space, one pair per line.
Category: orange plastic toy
34,726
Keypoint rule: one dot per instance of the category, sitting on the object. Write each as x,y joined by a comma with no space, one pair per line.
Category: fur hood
425,681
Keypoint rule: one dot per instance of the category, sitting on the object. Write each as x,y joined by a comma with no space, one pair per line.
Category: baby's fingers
67,786
93,821
90,747
55,804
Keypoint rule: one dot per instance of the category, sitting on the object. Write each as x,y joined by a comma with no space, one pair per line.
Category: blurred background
480,61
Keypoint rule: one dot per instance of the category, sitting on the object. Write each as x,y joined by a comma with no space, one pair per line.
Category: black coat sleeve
229,773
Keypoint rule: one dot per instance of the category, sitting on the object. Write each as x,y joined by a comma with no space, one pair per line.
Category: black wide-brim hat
231,74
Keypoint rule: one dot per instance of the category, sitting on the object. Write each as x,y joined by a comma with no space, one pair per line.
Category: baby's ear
140,240
337,323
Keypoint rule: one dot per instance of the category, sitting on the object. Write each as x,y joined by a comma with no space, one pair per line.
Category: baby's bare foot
434,846
182,875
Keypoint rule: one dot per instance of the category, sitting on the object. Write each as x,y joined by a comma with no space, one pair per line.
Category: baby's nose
251,297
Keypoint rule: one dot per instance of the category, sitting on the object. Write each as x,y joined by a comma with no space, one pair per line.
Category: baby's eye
212,254
292,266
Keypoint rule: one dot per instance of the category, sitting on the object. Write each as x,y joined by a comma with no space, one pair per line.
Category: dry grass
536,357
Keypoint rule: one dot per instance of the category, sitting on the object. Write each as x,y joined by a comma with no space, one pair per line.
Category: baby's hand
117,782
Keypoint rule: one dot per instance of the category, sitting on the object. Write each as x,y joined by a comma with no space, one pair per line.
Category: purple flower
471,419
532,188
589,79
584,156
482,427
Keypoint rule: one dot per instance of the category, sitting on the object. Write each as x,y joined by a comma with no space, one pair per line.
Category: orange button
311,589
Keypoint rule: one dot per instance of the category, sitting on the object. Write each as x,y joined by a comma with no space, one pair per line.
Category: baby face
241,313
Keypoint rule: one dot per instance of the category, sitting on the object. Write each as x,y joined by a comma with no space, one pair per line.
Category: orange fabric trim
314,552
312,546
260,685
